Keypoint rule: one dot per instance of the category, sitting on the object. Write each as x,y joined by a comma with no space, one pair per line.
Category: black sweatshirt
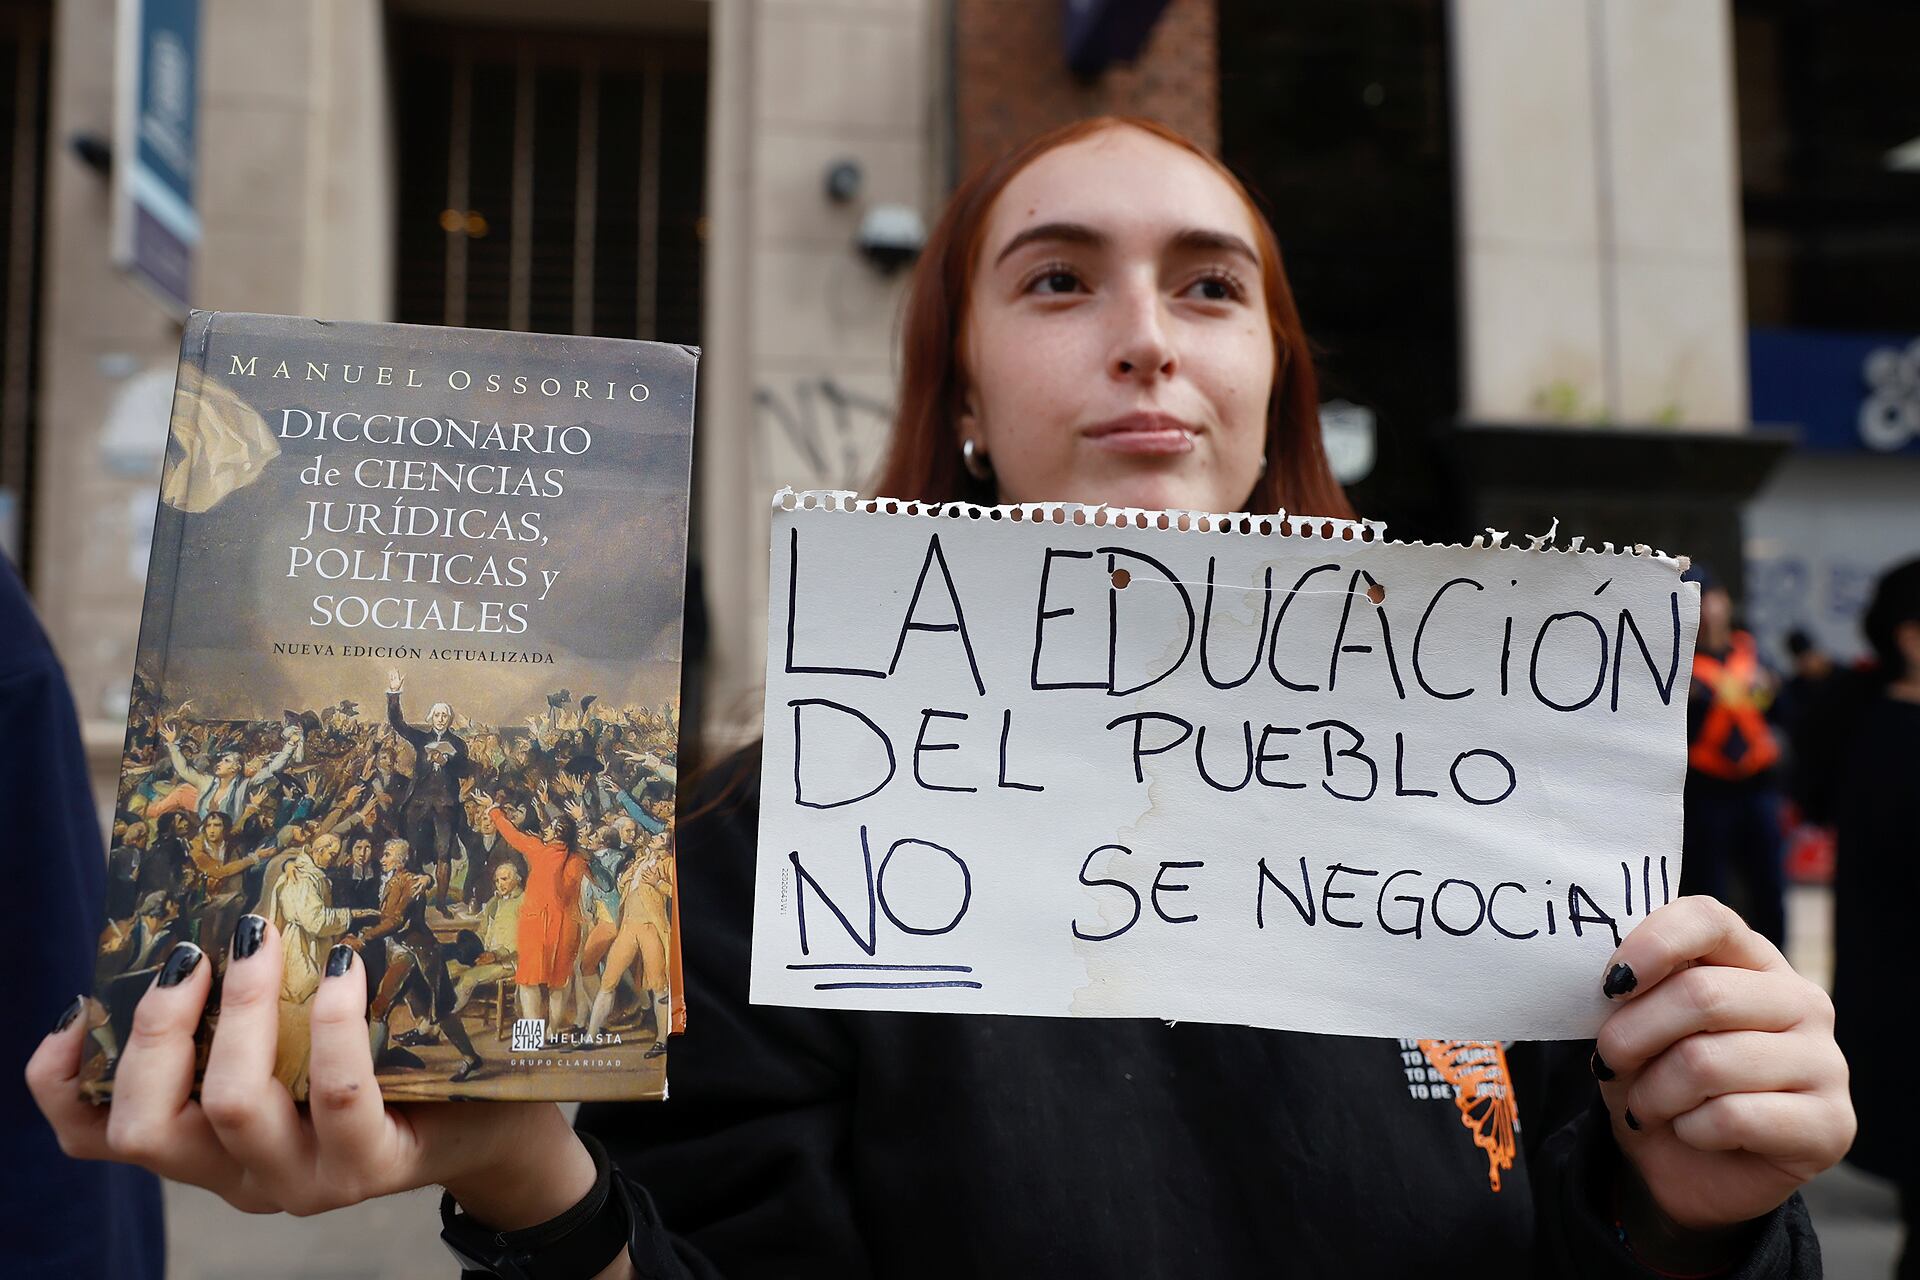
805,1142
58,1216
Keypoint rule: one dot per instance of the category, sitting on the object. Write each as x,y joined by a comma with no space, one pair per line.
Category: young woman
1100,317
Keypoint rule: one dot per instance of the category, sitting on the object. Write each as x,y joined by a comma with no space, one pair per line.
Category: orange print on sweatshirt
1477,1072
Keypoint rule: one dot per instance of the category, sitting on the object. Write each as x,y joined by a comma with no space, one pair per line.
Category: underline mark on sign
889,985
890,968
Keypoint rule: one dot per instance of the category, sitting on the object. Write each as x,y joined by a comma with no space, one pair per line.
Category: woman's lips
1147,434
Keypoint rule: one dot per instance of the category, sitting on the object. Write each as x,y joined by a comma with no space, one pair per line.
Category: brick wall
1011,79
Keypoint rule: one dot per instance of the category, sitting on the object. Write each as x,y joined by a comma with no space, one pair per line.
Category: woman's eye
1216,288
1056,280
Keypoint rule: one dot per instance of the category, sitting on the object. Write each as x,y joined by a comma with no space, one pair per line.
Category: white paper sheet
1429,816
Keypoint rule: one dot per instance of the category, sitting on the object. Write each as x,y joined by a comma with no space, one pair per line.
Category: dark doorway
1338,115
554,181
1830,163
550,182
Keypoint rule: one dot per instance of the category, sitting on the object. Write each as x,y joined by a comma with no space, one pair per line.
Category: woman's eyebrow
1189,239
1203,240
1068,232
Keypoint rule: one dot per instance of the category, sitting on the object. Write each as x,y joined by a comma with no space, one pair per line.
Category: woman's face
1117,342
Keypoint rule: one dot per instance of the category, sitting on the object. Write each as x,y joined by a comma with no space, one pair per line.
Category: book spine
676,960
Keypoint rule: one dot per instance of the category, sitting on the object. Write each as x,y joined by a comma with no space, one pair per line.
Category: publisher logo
529,1035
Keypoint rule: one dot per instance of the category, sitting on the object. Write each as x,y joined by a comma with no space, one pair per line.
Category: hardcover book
408,681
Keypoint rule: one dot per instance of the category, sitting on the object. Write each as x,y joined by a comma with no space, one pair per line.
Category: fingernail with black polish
339,960
1601,1071
1620,981
248,935
1632,1123
72,1012
180,962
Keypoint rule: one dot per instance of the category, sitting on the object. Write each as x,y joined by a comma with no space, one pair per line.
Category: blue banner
156,225
1846,392
1099,33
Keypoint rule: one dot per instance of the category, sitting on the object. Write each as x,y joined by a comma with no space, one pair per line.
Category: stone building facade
1594,186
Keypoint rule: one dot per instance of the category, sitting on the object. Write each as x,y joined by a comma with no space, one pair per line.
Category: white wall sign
1334,784
1890,413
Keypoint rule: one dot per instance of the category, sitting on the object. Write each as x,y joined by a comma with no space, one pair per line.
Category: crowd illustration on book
488,876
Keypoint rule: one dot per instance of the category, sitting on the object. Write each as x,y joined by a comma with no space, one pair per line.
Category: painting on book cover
408,683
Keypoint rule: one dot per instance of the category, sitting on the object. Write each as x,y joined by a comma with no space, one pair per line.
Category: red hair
922,462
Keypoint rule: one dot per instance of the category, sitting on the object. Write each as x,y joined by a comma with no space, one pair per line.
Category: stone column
798,384
1603,329
1600,242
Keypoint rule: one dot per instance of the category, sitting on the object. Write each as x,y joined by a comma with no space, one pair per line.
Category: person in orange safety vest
1733,740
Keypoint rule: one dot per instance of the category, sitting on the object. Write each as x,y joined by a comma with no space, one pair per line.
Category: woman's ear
966,424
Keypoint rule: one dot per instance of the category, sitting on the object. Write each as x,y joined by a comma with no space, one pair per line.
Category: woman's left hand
1726,1088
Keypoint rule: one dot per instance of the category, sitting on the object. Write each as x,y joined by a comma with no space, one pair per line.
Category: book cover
408,679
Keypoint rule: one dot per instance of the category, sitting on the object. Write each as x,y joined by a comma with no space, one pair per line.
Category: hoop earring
974,459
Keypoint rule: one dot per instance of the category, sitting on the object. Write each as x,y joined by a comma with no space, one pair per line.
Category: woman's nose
1141,348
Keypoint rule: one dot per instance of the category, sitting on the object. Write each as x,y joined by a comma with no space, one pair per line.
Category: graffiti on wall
821,434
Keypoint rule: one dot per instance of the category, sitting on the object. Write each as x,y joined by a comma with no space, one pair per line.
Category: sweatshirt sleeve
745,1167
58,1216
1572,1160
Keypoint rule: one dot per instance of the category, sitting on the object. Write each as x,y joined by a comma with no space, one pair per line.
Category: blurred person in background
58,1216
1863,749
1812,668
1732,835
1794,705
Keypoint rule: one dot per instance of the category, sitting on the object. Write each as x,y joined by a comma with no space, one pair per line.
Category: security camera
891,236
843,180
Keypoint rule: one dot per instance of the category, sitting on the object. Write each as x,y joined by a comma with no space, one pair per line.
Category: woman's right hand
510,1165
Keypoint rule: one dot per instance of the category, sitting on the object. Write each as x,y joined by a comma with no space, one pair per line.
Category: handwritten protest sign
1079,762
